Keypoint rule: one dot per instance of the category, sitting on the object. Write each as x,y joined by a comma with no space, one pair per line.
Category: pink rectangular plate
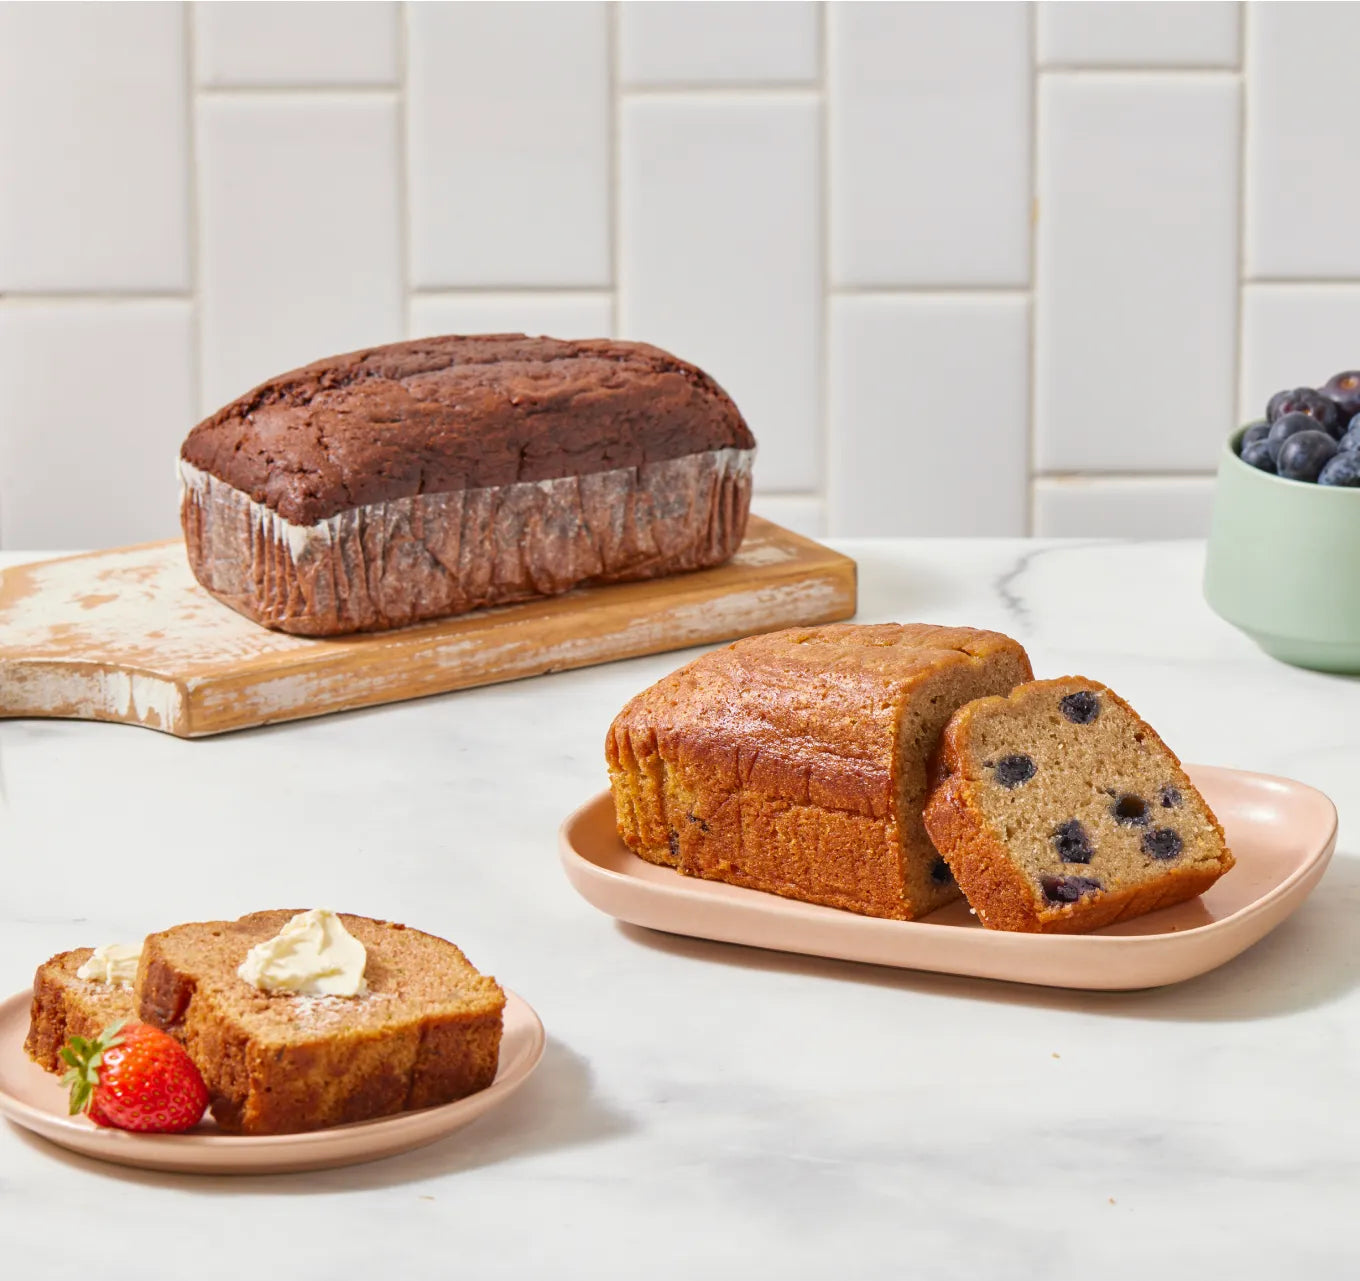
1282,833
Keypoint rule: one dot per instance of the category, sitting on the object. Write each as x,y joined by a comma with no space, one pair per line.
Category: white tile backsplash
1123,507
94,135
1101,34
1295,336
1303,140
930,143
289,42
706,42
95,398
1137,271
559,315
300,249
509,143
228,190
928,431
719,257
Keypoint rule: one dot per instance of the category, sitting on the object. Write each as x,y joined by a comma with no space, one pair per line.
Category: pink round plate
35,1100
1281,832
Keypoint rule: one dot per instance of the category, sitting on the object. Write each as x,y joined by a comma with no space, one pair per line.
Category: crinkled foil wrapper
433,555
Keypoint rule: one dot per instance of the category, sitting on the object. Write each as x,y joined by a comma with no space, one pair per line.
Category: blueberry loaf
796,762
1059,811
428,478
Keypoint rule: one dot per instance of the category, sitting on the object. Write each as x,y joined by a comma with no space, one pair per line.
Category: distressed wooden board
128,635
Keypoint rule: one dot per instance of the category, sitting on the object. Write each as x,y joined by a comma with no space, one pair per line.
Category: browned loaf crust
65,1005
1018,862
796,762
429,478
428,1032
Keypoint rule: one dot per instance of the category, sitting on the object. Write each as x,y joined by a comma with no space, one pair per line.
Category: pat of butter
313,955
115,964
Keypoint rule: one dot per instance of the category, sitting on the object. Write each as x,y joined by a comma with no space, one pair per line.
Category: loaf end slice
1060,810
66,1005
427,1032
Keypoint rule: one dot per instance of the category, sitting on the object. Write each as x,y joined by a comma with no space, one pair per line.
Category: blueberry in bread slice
424,1030
1059,810
65,1004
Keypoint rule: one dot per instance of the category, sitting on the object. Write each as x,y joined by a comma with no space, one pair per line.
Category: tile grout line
583,292
1137,70
579,290
1307,282
1035,213
194,207
824,180
1157,477
22,298
1238,398
931,291
404,168
329,88
726,88
615,191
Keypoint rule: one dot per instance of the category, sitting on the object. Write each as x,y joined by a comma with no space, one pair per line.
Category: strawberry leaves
83,1057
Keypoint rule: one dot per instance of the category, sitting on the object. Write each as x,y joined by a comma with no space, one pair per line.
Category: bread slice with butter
425,1030
67,1003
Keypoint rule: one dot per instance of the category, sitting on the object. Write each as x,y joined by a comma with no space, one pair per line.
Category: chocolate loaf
432,477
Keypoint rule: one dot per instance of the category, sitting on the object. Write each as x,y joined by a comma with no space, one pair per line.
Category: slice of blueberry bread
1059,810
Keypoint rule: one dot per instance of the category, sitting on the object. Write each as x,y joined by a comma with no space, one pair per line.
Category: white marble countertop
705,1110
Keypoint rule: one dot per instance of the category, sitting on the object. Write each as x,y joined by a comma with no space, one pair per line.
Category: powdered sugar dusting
322,1013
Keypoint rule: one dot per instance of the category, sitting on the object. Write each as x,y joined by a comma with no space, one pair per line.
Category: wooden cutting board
128,635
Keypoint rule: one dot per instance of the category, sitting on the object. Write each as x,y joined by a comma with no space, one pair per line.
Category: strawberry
133,1076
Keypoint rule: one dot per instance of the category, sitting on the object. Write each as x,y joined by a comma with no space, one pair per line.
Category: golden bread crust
776,763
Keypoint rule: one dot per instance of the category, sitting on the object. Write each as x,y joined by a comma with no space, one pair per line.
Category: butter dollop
115,963
313,955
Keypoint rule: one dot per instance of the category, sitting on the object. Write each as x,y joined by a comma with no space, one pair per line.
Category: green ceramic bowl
1284,564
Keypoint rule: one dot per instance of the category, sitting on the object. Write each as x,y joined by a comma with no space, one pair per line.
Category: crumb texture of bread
796,762
66,1005
1060,810
427,1031
428,478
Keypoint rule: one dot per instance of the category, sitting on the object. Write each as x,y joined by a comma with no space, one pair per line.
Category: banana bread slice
1060,810
66,1005
428,1030
795,762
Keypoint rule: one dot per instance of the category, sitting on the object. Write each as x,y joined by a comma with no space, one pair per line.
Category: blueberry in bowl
1342,470
1259,455
1274,403
1283,561
1305,400
1285,426
1303,455
1343,390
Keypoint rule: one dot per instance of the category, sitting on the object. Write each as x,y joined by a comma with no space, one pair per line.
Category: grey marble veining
706,1110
